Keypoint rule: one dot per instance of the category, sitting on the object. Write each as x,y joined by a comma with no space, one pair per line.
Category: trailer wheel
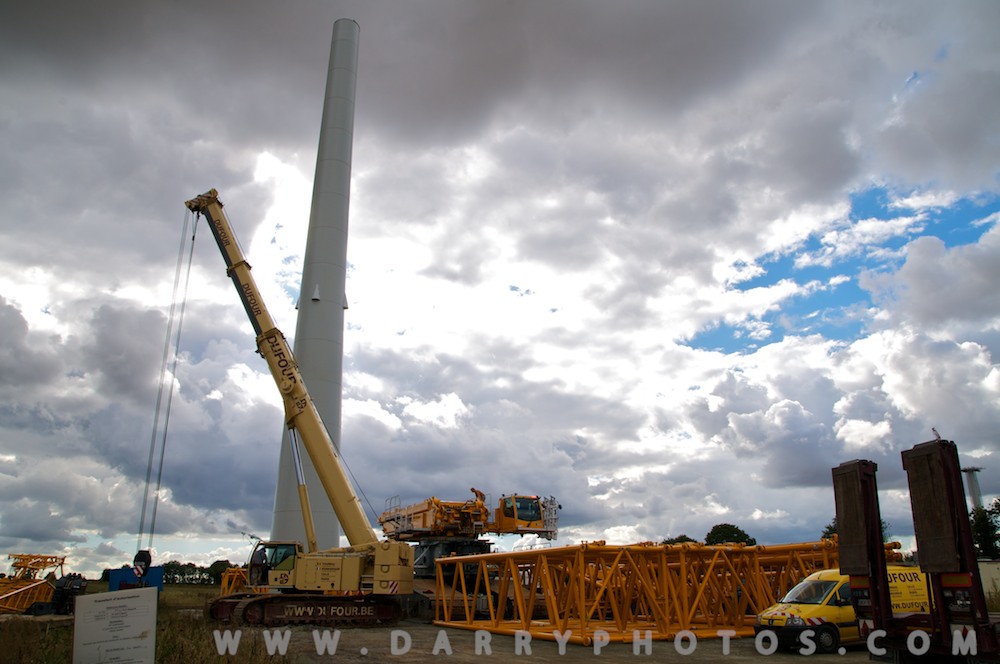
827,639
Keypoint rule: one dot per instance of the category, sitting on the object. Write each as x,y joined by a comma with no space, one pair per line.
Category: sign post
116,627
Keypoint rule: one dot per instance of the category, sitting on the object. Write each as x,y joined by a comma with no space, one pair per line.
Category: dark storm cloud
522,428
658,56
620,155
123,351
23,365
36,522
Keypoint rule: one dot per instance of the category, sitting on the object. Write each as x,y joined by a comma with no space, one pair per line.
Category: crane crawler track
271,610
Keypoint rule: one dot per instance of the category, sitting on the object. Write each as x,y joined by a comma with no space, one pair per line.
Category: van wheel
827,639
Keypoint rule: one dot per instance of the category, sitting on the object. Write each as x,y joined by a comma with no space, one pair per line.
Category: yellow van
821,602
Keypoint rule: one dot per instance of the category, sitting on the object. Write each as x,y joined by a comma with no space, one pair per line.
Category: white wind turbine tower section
319,332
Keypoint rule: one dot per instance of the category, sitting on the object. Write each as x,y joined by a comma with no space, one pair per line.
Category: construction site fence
654,590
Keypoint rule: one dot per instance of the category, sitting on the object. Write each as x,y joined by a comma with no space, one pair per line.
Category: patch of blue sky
965,221
831,308
722,338
872,203
292,292
831,303
828,303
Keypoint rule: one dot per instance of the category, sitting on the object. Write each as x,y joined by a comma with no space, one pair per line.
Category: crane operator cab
524,514
273,563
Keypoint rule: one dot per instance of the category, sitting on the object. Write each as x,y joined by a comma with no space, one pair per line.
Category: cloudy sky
668,261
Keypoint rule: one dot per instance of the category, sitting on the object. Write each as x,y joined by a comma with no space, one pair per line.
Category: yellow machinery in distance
445,528
28,581
361,584
433,517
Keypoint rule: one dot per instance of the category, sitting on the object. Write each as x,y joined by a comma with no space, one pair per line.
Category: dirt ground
413,641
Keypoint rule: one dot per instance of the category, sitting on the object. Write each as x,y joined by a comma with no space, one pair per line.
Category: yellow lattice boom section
572,593
24,587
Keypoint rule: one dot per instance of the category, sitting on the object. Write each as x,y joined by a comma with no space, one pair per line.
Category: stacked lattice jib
618,590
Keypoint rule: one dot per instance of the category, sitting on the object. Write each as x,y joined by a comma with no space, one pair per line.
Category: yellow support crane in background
449,527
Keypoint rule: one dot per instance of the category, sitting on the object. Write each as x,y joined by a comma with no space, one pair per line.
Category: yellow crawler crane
515,514
28,583
594,590
449,527
291,582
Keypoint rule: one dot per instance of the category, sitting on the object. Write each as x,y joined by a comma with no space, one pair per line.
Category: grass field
182,635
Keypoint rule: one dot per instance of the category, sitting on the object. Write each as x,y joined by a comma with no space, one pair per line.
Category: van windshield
809,592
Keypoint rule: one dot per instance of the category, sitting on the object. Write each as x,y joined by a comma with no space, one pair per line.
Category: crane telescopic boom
362,584
301,415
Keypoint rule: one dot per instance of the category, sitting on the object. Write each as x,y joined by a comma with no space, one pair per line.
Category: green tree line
178,572
985,523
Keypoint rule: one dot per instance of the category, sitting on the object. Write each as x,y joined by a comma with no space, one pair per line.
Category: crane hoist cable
371,508
158,436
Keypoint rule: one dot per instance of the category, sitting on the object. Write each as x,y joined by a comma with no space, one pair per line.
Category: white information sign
117,627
